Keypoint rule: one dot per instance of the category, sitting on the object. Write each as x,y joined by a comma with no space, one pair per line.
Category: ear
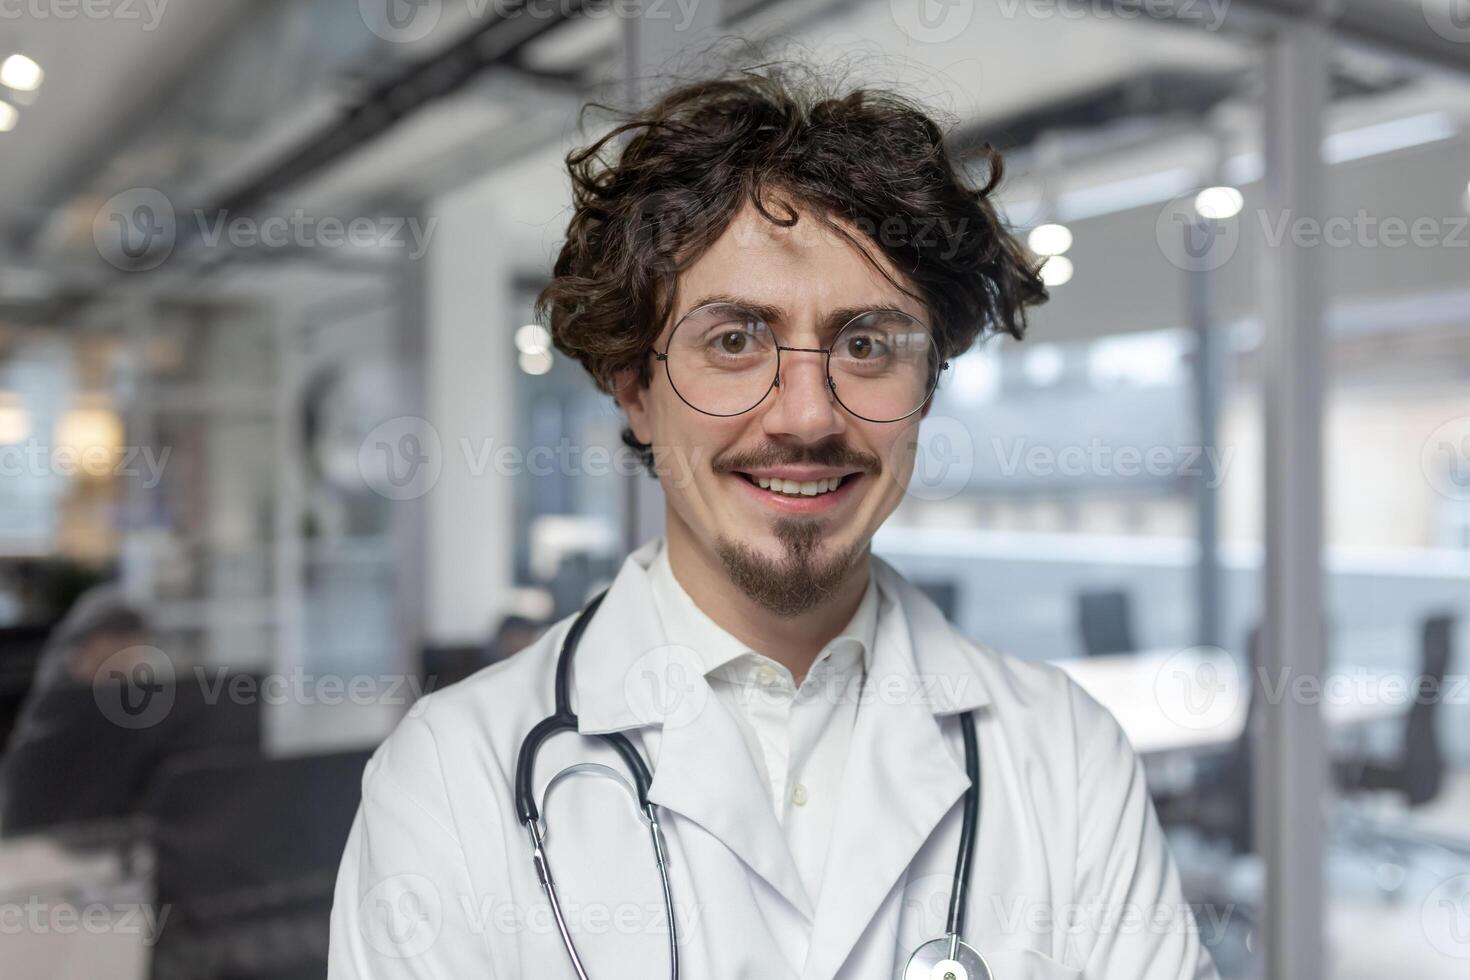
632,398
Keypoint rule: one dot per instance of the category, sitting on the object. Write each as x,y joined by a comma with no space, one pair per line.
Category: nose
803,408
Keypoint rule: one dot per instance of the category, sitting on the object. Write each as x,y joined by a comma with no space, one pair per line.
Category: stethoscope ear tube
562,719
565,720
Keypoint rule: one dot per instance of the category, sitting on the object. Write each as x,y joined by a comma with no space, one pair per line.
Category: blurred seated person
513,635
106,711
445,665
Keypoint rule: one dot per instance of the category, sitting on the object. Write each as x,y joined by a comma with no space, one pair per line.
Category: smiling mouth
796,488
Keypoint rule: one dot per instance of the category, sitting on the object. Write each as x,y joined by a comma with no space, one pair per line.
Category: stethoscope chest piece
939,959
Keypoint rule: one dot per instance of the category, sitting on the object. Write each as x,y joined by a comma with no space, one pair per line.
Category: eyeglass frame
776,375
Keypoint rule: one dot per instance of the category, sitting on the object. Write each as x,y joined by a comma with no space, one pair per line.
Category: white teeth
795,488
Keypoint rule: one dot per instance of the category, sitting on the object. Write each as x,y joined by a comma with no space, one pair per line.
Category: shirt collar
687,625
626,636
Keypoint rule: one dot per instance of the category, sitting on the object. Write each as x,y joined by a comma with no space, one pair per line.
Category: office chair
1219,803
1218,807
1417,771
246,852
1105,621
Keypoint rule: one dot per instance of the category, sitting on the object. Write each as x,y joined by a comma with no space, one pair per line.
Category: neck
792,641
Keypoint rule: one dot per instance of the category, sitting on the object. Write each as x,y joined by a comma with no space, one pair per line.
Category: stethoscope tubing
959,896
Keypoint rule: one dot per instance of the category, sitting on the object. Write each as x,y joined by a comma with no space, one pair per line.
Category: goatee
800,580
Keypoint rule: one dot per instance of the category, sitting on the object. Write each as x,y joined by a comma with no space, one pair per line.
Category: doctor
771,280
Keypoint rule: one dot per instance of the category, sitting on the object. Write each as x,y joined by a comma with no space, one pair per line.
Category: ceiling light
21,73
15,421
536,363
1218,203
533,339
1057,271
8,117
1049,239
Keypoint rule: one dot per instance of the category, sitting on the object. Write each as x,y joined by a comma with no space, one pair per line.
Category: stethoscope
946,957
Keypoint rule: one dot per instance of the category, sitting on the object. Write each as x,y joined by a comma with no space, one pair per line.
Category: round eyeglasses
723,360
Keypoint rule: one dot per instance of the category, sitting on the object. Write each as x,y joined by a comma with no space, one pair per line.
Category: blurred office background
283,445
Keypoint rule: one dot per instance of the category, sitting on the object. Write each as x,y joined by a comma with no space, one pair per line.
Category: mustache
832,452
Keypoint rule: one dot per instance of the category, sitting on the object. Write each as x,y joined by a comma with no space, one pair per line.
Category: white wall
487,232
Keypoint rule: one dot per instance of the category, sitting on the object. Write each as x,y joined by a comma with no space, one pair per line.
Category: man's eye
734,342
864,348
739,337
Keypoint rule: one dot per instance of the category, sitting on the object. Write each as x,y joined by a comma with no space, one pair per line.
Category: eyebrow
834,321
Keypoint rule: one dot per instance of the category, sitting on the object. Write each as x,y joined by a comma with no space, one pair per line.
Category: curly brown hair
869,159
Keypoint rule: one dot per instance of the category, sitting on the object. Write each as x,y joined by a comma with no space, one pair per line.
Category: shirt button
798,795
766,675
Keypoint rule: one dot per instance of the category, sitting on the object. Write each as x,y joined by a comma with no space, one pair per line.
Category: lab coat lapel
903,774
627,676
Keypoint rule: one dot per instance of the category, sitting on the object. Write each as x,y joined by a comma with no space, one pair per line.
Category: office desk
1195,701
65,916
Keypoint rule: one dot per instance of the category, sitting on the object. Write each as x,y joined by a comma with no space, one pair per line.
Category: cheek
897,450
685,443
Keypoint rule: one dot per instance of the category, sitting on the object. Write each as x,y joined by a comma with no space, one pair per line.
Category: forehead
803,269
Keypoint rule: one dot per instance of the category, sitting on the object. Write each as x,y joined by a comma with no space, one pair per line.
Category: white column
469,382
1291,764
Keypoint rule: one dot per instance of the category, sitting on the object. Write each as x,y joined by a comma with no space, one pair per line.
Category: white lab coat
1072,876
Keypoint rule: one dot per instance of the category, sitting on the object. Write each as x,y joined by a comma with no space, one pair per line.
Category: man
79,758
770,282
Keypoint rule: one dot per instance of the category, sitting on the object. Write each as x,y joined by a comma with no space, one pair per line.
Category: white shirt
798,737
